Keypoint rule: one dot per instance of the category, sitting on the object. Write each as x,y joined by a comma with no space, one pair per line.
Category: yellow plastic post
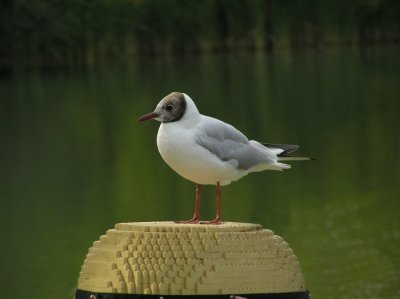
167,258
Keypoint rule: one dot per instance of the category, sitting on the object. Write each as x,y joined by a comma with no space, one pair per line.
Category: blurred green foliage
74,162
75,32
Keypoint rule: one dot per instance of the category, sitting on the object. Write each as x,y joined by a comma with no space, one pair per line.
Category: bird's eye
169,107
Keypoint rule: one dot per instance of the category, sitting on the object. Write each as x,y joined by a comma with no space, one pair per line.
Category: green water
74,161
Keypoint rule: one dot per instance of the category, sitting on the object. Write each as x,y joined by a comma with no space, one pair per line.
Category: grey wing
229,144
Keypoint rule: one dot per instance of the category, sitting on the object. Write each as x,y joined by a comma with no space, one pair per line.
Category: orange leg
217,219
196,216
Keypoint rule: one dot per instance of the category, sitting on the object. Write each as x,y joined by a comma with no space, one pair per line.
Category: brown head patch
172,107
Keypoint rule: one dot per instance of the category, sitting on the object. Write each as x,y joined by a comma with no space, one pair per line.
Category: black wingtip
287,148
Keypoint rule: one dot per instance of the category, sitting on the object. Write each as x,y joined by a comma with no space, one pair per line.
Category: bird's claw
191,221
216,221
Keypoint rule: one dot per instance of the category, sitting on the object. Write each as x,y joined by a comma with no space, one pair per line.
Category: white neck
191,115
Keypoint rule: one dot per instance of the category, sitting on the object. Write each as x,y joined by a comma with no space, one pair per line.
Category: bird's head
171,108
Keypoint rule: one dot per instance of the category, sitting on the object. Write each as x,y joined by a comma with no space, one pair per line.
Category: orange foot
215,221
194,220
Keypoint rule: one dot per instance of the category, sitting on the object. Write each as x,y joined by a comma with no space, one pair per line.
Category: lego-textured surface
167,258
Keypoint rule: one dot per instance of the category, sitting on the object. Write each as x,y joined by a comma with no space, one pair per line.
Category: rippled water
74,162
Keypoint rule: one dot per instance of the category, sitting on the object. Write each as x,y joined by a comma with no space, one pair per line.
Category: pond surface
74,162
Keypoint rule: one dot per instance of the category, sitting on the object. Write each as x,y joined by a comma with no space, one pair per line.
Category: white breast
180,151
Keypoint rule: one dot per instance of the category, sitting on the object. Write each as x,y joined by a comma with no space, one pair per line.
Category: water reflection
75,162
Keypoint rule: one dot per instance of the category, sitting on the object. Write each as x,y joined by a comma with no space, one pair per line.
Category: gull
208,151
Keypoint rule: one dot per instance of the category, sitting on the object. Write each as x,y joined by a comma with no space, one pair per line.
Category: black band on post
80,294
